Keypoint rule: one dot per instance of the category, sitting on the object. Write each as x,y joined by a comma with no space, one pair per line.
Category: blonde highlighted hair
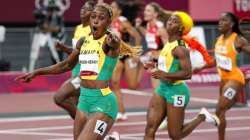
126,49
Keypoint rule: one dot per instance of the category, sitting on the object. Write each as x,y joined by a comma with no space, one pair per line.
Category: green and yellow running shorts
98,100
176,94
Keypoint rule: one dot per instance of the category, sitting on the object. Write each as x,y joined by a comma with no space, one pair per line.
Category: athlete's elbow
187,75
66,66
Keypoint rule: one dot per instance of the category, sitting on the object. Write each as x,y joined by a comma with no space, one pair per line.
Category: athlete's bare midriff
94,84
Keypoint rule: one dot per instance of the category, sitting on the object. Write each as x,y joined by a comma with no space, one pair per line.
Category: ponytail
126,49
163,15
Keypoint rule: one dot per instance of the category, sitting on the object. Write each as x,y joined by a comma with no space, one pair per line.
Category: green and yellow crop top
95,64
167,62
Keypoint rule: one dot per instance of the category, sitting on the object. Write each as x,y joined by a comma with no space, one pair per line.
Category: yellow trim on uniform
106,91
92,77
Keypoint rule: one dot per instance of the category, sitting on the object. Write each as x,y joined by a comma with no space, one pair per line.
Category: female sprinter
133,70
97,106
151,33
227,48
172,94
67,96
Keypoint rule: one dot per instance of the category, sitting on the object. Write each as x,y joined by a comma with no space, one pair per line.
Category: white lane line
36,133
61,139
143,93
39,129
115,125
63,117
204,100
195,131
122,137
30,119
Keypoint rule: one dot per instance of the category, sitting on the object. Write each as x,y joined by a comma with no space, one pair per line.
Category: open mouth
94,29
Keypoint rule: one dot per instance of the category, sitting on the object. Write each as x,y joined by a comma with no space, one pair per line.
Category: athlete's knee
220,112
150,129
58,98
174,135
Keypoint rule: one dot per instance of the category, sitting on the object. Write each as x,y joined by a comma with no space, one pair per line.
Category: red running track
59,127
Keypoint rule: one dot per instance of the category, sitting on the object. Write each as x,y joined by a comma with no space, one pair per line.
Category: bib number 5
179,100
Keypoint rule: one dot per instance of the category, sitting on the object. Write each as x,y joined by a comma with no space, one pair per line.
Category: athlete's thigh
79,123
229,94
156,110
175,117
97,127
116,76
67,89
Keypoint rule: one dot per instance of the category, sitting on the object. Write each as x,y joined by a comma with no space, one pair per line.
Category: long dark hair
236,23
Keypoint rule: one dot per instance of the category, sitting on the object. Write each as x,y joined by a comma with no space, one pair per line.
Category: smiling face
174,25
150,13
99,21
225,23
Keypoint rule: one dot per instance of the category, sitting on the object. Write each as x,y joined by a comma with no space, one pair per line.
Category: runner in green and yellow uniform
67,96
172,95
97,54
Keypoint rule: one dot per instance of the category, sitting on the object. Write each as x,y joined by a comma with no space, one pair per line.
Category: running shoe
210,118
163,125
121,116
114,136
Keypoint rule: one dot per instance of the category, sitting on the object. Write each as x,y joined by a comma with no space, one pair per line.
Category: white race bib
230,93
89,62
100,127
179,101
151,42
224,62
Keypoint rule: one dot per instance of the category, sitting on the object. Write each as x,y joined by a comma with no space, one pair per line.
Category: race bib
224,62
100,127
179,101
151,42
230,93
89,62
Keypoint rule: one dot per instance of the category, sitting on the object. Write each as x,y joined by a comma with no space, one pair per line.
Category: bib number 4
100,127
179,100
